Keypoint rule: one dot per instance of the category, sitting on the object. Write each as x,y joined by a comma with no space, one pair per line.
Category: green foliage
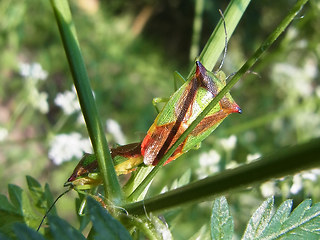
221,220
105,226
22,207
126,70
302,223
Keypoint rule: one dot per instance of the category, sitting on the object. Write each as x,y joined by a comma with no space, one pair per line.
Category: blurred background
131,49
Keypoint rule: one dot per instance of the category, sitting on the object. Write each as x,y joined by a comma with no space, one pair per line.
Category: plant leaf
302,223
61,229
259,220
105,225
221,220
23,232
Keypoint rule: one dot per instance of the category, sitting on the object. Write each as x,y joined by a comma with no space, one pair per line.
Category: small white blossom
253,157
3,134
209,163
268,189
64,147
297,184
37,99
299,80
68,101
232,164
311,175
114,129
41,102
33,71
228,143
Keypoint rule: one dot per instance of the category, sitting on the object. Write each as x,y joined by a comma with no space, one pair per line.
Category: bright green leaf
259,220
302,223
105,225
221,220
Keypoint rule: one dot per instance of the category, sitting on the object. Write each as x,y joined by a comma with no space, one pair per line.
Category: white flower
228,143
37,99
40,102
68,101
115,130
311,175
3,133
33,70
268,189
209,163
253,157
64,147
298,80
297,184
232,164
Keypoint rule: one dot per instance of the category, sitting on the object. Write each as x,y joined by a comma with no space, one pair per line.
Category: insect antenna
225,41
47,212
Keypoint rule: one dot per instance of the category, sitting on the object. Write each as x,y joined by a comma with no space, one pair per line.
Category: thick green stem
288,161
80,77
264,46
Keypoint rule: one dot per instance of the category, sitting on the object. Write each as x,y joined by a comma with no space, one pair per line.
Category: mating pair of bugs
182,108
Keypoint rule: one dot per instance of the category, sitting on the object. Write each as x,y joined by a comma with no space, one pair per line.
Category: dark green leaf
60,229
32,183
3,237
221,220
23,232
105,225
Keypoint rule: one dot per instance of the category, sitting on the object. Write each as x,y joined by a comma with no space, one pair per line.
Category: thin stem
196,33
216,43
80,77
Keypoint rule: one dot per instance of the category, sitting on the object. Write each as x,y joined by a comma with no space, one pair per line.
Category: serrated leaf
278,218
259,220
61,229
221,220
23,232
302,223
105,225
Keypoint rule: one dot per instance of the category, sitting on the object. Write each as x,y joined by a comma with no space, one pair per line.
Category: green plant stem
80,77
216,43
288,161
252,60
196,33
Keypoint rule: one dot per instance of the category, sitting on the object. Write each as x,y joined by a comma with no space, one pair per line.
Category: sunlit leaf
259,220
302,223
221,220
